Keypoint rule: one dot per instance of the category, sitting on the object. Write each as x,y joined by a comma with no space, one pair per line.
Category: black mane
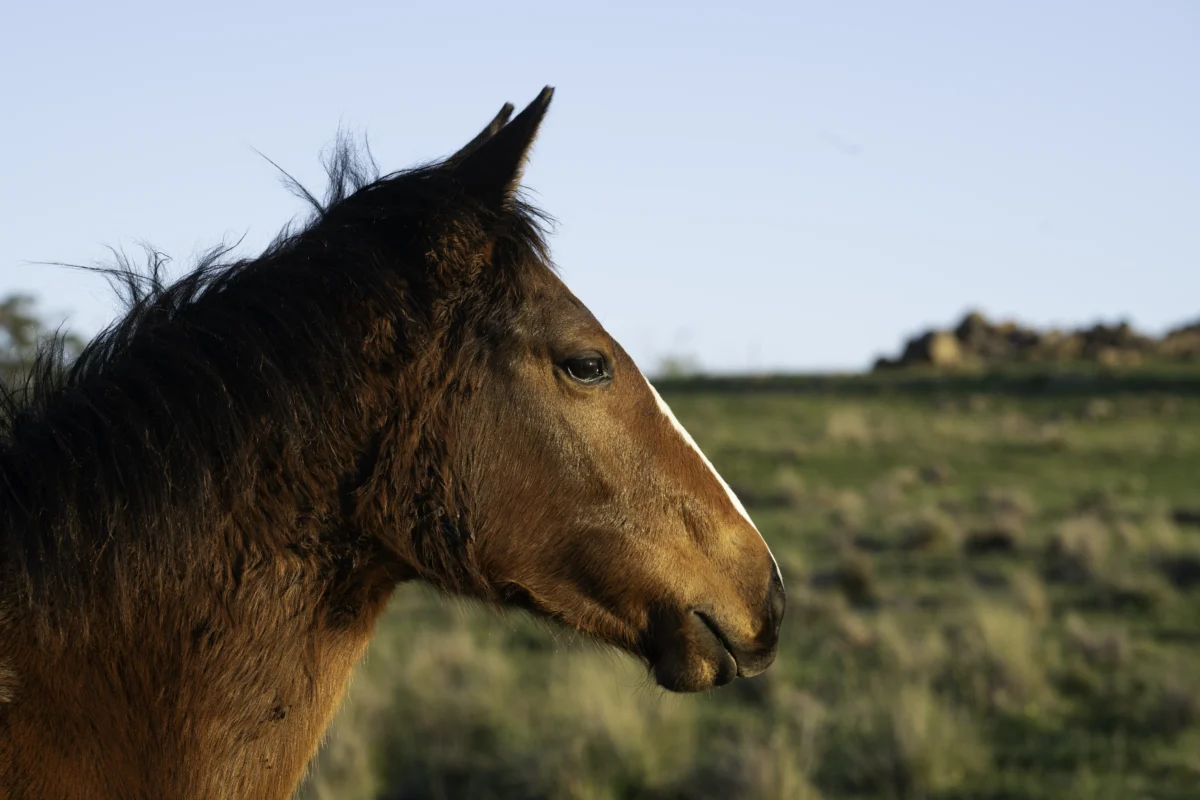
117,468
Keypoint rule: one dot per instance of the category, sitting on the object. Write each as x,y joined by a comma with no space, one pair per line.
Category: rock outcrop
978,342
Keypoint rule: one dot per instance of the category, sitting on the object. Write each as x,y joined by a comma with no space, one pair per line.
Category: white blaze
687,437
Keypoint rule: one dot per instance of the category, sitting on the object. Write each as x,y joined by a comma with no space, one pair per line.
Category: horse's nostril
776,601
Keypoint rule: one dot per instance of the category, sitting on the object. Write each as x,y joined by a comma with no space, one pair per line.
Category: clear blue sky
789,185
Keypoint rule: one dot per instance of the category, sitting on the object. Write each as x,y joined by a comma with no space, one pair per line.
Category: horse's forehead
551,303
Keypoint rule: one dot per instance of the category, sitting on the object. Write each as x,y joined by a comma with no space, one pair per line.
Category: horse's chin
686,649
694,658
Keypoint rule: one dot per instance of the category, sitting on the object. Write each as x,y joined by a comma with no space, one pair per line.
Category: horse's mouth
731,657
690,652
719,635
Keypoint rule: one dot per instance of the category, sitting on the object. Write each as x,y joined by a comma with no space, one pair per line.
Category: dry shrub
901,742
885,495
994,659
907,649
904,478
854,635
1001,536
1006,501
938,474
1138,694
745,766
1030,595
451,711
1176,707
890,491
844,507
818,624
1098,408
1051,436
930,530
806,717
1017,428
854,638
789,488
1102,503
1079,550
1168,406
772,757
1126,591
1128,536
597,721
854,577
940,746
1106,647
946,405
1154,536
848,425
979,403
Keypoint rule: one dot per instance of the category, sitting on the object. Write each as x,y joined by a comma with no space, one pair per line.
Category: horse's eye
587,368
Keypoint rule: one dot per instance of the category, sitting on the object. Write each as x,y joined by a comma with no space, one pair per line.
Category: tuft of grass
848,425
854,576
581,727
930,530
1130,692
1103,503
748,767
1006,502
1097,409
1155,536
936,474
994,660
1030,596
1127,592
906,649
1107,647
844,508
1079,550
789,489
902,742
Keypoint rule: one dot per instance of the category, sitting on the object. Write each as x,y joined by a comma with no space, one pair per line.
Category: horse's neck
215,692
210,650
215,682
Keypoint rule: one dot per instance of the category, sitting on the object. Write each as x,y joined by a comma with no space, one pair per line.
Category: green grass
988,598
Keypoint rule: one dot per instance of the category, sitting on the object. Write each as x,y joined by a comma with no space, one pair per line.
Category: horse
203,515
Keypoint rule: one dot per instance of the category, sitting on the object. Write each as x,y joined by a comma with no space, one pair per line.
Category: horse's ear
490,165
488,132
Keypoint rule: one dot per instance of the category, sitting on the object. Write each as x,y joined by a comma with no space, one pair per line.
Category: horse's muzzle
698,652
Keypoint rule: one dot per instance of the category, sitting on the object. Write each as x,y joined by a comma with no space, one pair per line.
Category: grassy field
994,590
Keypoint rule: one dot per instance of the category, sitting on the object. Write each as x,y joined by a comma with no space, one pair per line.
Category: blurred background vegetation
22,331
992,552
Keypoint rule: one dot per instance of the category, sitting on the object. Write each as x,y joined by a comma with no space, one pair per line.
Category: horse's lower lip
717,633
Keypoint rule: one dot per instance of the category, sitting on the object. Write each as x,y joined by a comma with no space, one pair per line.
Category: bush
1078,550
902,742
